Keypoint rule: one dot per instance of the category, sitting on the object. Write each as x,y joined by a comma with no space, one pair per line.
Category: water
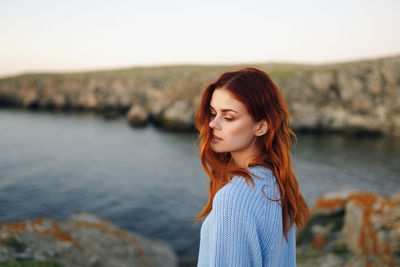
150,181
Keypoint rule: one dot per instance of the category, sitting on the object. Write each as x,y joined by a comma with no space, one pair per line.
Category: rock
179,116
322,81
321,231
84,240
333,202
372,225
137,116
59,101
304,116
350,85
87,100
396,195
156,106
360,228
374,82
30,100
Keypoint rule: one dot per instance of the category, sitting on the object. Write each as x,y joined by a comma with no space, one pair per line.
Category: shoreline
352,98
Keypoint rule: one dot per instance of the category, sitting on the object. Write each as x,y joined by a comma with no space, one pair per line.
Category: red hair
257,91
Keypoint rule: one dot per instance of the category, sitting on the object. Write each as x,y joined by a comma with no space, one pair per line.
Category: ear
261,128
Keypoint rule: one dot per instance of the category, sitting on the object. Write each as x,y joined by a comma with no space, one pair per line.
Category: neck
242,159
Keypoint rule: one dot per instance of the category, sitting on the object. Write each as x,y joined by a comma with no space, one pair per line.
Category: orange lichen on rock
365,199
19,226
368,237
61,235
44,226
106,227
329,204
39,226
119,234
319,241
37,221
333,201
84,240
375,217
96,225
140,252
367,240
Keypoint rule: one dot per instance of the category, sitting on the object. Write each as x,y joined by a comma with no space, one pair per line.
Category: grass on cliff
276,70
31,263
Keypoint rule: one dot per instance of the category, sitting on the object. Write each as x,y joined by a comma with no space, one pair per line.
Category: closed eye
226,118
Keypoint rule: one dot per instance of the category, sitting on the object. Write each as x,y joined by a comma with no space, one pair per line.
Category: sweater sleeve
235,241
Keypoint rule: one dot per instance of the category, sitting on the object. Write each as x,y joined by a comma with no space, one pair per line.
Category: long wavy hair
255,89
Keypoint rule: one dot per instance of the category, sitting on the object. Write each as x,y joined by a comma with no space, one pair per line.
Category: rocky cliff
353,97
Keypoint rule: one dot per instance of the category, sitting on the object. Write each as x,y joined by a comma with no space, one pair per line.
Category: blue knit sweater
244,228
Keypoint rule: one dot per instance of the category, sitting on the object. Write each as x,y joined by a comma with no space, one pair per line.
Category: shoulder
262,173
238,194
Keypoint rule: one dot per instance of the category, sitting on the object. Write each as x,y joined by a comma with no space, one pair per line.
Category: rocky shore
349,228
353,98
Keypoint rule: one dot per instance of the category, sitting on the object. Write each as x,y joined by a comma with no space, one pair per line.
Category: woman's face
233,128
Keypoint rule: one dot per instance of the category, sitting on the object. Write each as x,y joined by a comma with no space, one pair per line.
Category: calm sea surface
150,181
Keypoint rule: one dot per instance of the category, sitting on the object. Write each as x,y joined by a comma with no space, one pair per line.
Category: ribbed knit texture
244,228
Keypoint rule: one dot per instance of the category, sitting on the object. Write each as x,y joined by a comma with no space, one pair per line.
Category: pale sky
51,36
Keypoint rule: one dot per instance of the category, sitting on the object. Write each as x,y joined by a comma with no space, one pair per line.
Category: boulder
372,225
178,116
84,240
355,228
137,116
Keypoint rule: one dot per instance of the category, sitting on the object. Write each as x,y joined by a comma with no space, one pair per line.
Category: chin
217,150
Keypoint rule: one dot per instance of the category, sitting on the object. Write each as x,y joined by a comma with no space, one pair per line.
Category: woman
254,199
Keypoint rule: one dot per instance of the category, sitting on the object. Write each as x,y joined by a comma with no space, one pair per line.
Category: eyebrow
225,109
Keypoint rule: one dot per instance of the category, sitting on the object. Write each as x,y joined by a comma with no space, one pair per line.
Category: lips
216,137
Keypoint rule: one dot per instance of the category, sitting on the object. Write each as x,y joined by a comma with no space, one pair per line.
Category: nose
214,123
